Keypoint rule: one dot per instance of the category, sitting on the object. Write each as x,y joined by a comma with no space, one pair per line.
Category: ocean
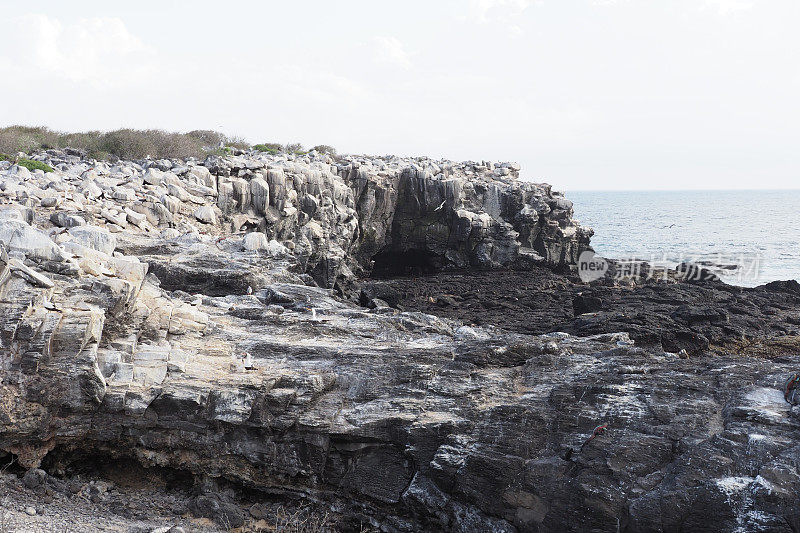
750,237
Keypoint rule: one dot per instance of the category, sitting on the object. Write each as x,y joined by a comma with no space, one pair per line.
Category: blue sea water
757,230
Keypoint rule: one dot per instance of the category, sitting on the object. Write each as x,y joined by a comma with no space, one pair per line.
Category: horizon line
776,189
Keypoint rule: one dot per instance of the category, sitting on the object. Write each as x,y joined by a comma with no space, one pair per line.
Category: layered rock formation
185,315
334,216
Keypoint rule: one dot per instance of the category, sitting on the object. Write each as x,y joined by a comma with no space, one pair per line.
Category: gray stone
66,220
34,478
205,214
50,201
18,236
94,237
255,241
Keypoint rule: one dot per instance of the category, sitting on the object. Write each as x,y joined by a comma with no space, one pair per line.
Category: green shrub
270,148
223,151
30,164
265,148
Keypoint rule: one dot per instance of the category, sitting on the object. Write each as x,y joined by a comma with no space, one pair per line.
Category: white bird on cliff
243,359
441,205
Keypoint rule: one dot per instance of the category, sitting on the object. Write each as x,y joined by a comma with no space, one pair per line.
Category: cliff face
171,314
446,215
340,216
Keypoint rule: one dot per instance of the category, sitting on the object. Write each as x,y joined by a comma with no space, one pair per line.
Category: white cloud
607,2
390,51
497,10
99,51
726,7
500,12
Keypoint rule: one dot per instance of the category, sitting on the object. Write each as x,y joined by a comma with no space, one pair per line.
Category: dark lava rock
586,304
665,315
34,478
692,273
384,292
223,513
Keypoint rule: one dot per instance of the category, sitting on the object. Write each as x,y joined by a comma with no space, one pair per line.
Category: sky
584,94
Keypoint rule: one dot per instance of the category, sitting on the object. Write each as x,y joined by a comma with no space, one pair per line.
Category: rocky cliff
186,315
335,217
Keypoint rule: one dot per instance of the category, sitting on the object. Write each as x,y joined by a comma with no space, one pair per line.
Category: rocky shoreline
214,320
708,317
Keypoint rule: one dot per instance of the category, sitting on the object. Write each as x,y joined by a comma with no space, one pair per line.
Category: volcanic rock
174,344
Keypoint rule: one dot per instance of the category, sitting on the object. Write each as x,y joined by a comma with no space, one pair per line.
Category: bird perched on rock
242,361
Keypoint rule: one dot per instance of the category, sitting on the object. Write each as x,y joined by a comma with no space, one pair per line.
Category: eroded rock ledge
335,216
128,297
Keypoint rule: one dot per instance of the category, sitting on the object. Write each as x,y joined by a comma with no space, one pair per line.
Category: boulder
153,176
255,241
202,176
65,220
94,237
205,214
18,236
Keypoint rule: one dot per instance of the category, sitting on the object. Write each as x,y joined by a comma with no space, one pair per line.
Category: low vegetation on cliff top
30,164
135,144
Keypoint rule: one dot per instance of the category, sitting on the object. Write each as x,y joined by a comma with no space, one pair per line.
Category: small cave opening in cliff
398,263
122,470
130,489
9,464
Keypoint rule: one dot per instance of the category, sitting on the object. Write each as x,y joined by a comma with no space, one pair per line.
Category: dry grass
26,139
121,144
138,144
302,520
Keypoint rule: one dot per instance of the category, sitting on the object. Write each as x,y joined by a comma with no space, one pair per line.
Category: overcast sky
585,94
